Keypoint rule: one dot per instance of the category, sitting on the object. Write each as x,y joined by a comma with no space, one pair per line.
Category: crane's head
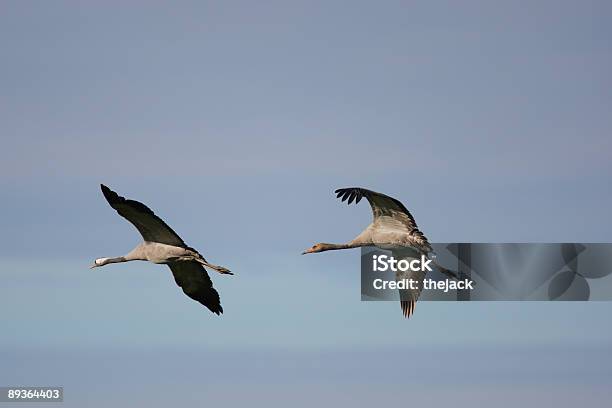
320,247
99,262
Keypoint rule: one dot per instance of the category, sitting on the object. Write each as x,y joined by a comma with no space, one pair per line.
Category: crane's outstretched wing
195,282
151,227
388,213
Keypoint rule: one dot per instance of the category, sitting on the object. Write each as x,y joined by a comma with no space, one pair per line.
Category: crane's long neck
332,247
106,261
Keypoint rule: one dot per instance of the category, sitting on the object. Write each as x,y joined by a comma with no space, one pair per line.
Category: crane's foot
217,268
221,269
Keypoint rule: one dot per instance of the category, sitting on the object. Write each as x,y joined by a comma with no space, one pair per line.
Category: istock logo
383,263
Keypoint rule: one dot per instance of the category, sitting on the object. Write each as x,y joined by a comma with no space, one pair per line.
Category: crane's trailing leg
193,255
217,268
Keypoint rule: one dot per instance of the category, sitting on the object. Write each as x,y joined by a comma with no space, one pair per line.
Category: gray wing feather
195,282
389,214
409,297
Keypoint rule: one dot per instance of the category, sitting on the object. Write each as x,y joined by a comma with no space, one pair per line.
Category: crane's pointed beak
93,266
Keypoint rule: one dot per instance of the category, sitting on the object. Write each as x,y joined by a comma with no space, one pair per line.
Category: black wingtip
109,194
352,194
105,190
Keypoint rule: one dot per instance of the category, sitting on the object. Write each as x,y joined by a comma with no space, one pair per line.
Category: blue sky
235,121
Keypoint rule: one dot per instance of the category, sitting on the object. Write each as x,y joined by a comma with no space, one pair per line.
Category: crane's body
387,231
162,253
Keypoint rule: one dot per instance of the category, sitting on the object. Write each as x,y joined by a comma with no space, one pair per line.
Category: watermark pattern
486,271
